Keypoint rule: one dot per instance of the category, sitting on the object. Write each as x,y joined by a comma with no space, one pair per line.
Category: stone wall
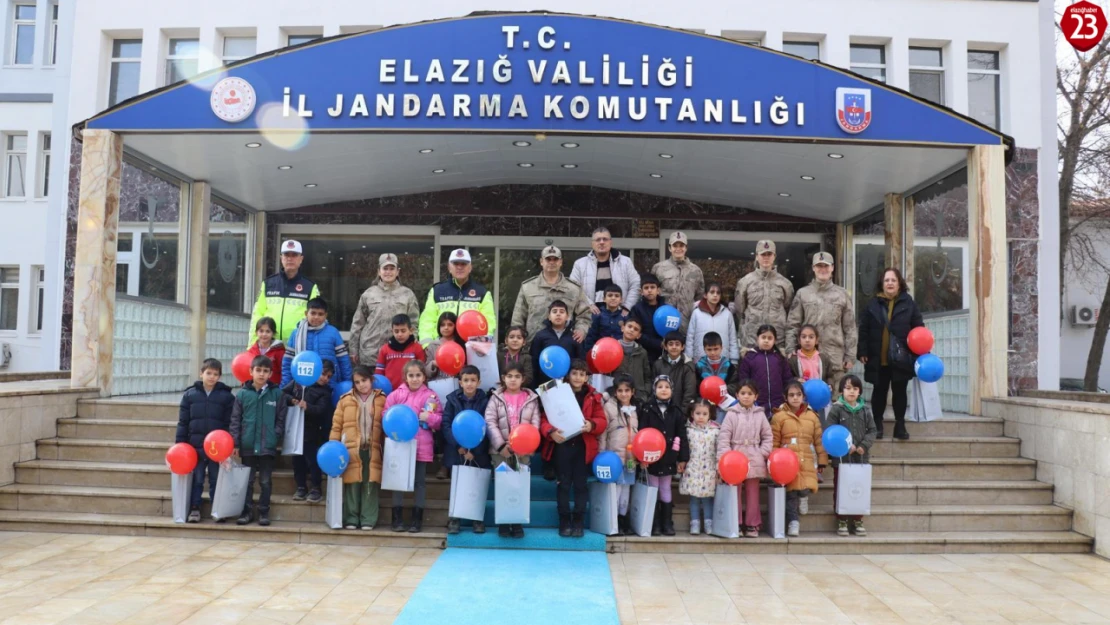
28,416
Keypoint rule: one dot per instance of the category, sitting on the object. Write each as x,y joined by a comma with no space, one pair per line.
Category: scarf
854,409
302,337
628,344
886,327
400,347
365,418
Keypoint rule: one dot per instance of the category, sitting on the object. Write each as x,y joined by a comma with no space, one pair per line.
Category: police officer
284,296
456,294
536,295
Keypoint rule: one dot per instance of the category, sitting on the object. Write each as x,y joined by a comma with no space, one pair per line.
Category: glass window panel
940,236
806,49
24,44
868,54
127,48
124,82
16,165
928,85
871,72
295,40
925,57
518,266
226,269
239,47
122,271
9,275
24,11
158,268
184,47
180,69
143,193
9,309
726,262
982,98
123,243
982,60
17,142
938,276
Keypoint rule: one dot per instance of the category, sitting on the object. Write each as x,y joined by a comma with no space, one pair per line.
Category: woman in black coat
888,362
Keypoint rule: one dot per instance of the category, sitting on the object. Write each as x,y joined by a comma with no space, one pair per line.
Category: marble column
200,206
894,229
94,262
843,253
986,191
910,207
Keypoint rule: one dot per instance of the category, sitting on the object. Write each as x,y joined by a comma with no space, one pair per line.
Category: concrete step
954,469
961,425
948,447
125,409
118,429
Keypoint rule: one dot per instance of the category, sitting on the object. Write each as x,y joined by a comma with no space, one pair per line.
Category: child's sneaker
504,531
695,527
452,526
517,530
841,528
366,528
245,518
803,505
709,526
314,495
860,529
194,516
349,527
792,529
300,494
479,527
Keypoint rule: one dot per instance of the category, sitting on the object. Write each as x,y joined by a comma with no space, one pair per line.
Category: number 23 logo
1086,25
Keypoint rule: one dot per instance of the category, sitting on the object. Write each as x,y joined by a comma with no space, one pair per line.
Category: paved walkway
76,579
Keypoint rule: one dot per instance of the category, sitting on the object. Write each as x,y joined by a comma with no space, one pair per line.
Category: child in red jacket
573,455
265,331
398,351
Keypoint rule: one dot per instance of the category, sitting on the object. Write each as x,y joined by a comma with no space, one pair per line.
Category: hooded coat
621,428
201,413
798,432
344,427
873,324
700,477
418,400
497,417
456,402
861,425
747,430
672,423
702,322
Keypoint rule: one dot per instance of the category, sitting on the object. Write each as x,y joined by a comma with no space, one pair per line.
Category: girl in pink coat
415,394
745,429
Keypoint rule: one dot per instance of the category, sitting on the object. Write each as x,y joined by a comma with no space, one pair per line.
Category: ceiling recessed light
807,177
254,145
311,185
666,156
570,145
784,195
524,165
522,144
569,165
438,171
656,175
427,151
285,167
835,155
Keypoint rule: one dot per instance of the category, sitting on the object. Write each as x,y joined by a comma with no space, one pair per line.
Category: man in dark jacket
205,407
554,332
644,310
257,426
467,397
315,401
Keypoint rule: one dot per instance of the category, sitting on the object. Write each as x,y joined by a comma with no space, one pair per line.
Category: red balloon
713,389
733,467
471,323
649,445
590,363
607,355
920,341
218,445
241,367
524,439
783,466
451,357
181,458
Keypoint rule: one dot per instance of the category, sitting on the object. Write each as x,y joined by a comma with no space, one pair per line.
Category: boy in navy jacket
607,322
315,400
205,407
467,397
555,332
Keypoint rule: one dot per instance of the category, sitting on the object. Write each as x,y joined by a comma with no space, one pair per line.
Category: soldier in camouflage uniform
762,296
536,295
829,308
681,281
372,325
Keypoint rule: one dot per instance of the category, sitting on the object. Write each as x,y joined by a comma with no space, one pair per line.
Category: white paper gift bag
399,466
469,490
601,382
443,388
512,495
604,501
482,353
641,508
853,489
776,511
293,444
561,408
333,514
181,486
924,401
726,512
231,490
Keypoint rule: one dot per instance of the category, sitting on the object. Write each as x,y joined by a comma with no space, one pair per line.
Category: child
679,369
446,333
467,397
415,394
746,429
607,323
851,412
644,310
795,426
513,351
711,316
663,414
714,363
510,405
699,480
636,362
257,427
554,332
357,422
266,345
315,401
314,333
573,455
808,363
205,407
398,351
623,423
767,368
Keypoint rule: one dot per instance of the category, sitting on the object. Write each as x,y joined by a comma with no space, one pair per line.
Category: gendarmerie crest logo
233,99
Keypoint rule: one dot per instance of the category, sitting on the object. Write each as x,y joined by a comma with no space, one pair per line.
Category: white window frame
13,32
171,58
987,72
11,286
310,36
5,167
38,299
43,185
951,242
937,70
883,66
52,36
232,58
121,60
803,42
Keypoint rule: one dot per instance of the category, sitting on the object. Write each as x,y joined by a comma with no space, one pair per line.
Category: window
15,165
125,70
44,165
181,62
52,45
869,61
238,48
806,49
983,86
9,297
927,74
296,40
22,38
38,290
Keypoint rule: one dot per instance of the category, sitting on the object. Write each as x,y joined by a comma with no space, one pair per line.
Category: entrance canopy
542,98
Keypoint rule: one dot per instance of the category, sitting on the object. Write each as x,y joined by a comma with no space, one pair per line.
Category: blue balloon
666,319
341,389
469,428
400,423
608,467
554,362
837,441
307,367
383,384
333,458
929,367
818,394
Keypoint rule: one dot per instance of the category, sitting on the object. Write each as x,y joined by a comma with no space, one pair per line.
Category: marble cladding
28,417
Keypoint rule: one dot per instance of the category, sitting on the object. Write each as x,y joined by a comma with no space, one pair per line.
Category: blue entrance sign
526,73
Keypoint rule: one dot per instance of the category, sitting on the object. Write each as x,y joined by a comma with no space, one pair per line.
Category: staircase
958,485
